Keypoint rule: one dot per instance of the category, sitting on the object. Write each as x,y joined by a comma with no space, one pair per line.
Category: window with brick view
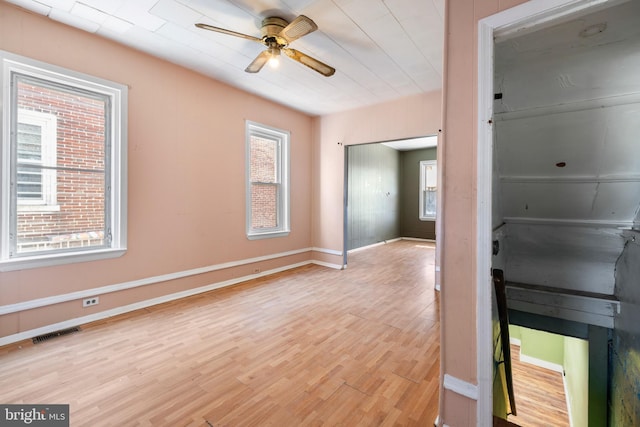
267,189
66,157
76,216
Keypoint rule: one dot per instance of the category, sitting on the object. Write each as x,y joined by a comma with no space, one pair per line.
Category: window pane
264,154
432,177
428,189
29,181
80,138
80,222
264,205
29,143
429,203
60,170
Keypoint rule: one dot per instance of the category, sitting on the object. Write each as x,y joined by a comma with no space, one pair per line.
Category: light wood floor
539,395
308,347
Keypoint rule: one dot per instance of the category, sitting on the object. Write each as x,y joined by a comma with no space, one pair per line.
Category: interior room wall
542,346
576,377
515,332
459,158
374,195
383,194
186,188
410,223
409,117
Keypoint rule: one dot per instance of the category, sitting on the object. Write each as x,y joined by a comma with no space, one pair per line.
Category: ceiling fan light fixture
274,59
277,33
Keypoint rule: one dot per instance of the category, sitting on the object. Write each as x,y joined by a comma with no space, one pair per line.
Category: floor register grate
51,335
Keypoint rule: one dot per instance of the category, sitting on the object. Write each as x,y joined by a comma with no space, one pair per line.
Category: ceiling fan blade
310,62
259,62
301,26
229,32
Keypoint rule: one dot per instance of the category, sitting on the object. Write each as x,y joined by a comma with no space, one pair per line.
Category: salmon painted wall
408,117
458,159
186,188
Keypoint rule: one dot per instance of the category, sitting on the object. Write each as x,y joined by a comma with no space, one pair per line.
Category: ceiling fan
277,34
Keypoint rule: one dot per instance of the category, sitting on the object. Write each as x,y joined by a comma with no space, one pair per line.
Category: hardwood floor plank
539,395
307,347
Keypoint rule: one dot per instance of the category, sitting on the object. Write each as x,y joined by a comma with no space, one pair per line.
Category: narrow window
428,189
63,161
267,166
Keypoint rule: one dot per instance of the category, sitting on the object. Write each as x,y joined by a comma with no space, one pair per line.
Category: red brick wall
80,143
263,169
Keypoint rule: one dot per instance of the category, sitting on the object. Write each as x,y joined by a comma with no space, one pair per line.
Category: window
36,160
428,189
63,180
267,166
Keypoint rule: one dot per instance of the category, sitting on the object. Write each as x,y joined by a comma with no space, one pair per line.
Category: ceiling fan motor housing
271,27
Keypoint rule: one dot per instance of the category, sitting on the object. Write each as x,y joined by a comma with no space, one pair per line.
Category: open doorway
550,375
390,190
559,184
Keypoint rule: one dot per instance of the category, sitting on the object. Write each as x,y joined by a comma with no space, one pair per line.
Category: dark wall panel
373,202
624,398
410,223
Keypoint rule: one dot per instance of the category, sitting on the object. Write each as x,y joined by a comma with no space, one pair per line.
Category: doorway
548,205
550,374
383,192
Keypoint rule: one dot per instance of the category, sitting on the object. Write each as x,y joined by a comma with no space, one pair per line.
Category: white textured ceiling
382,49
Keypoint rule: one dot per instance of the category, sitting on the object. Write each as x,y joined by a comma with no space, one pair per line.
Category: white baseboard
566,396
329,265
416,239
327,251
72,296
541,363
9,339
461,387
362,248
384,242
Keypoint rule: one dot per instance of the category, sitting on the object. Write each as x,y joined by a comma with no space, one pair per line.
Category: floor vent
50,335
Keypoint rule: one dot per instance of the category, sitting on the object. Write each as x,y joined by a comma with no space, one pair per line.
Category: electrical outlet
88,302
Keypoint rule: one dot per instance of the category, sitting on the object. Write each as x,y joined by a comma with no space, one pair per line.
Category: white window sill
427,218
22,208
49,260
267,235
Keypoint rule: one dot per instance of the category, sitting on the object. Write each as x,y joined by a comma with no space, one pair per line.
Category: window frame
282,137
424,164
116,152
